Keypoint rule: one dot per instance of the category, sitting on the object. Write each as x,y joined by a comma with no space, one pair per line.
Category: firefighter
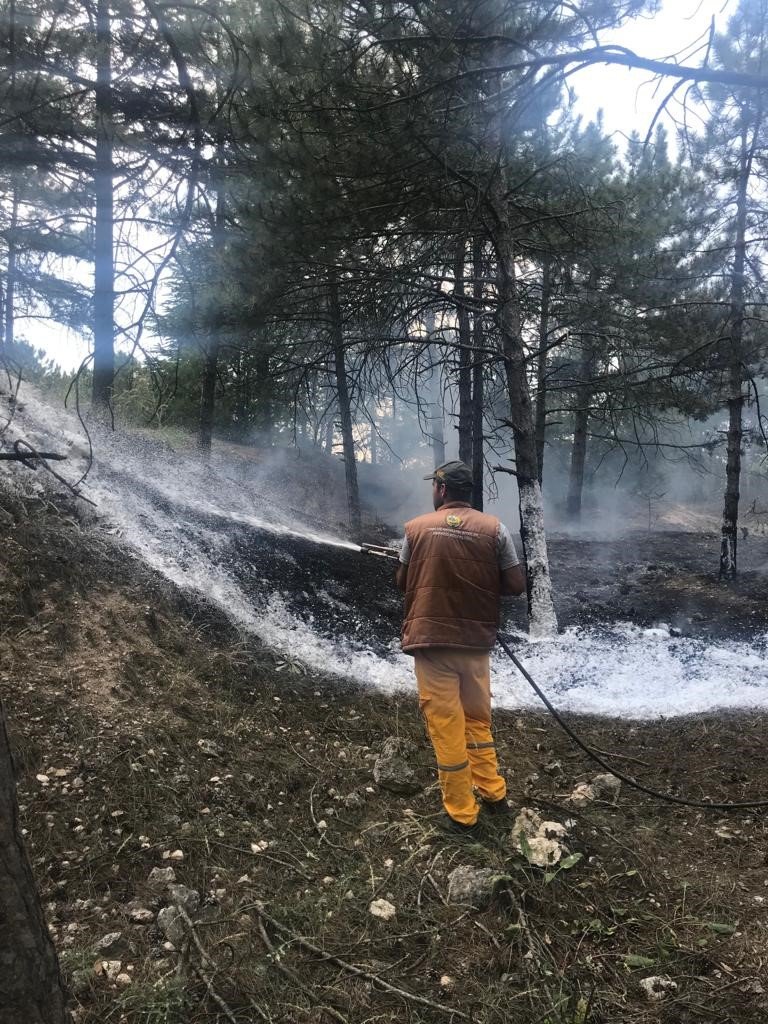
455,564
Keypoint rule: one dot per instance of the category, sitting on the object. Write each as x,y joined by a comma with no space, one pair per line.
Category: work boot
497,808
448,824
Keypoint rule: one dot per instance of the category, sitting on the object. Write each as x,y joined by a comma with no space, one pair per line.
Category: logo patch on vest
453,520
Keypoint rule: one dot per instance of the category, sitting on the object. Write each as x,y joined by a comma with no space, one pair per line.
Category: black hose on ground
667,797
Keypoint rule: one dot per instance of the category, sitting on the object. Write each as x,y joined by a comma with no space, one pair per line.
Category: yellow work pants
455,698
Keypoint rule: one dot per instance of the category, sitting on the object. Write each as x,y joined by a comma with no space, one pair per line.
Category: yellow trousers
455,698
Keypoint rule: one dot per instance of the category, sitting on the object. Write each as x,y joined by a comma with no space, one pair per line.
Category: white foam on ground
619,670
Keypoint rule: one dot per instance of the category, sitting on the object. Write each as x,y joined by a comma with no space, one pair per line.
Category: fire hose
706,805
633,783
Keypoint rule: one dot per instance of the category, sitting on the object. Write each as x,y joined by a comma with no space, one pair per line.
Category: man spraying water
455,564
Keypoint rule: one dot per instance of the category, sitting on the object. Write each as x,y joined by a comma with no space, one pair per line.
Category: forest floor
150,734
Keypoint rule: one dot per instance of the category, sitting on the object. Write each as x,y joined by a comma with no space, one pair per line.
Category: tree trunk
541,367
208,393
435,411
330,428
10,280
578,457
465,357
265,412
104,270
579,449
373,447
211,362
541,610
31,989
729,542
345,414
478,341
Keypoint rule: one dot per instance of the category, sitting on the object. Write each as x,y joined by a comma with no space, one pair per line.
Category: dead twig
621,757
206,961
40,457
357,971
292,976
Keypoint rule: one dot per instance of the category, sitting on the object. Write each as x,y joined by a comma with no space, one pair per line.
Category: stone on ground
473,886
383,909
392,770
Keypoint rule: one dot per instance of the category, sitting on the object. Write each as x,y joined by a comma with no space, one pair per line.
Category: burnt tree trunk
541,367
31,989
345,413
580,426
541,610
465,356
208,392
10,278
213,346
478,341
264,412
330,428
104,268
373,446
729,541
435,412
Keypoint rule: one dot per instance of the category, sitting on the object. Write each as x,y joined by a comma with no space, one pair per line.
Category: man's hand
513,581
401,576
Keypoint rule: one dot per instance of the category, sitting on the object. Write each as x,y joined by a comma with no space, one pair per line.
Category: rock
383,909
582,795
80,982
209,748
540,842
187,899
606,787
108,969
123,980
354,799
658,987
141,915
111,943
543,852
171,924
160,877
474,886
447,982
528,822
391,770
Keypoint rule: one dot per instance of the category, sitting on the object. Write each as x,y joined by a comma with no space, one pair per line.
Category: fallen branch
206,962
357,971
19,457
42,458
622,757
292,976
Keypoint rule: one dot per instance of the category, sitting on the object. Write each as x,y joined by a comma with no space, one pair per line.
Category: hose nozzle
381,551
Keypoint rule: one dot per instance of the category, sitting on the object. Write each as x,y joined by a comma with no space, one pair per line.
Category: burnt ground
643,577
150,733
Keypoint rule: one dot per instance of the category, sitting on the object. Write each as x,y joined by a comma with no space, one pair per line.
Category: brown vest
453,582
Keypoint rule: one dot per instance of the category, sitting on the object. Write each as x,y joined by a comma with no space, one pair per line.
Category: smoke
232,531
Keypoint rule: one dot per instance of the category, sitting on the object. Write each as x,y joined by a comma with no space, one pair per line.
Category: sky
627,98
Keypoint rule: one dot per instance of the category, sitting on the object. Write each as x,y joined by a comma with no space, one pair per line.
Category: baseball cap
454,474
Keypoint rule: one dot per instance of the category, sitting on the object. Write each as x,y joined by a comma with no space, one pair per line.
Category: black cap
454,474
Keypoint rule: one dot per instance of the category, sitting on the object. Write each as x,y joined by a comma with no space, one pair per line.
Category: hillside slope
152,734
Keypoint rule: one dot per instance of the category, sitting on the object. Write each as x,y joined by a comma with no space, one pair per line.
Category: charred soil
151,734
